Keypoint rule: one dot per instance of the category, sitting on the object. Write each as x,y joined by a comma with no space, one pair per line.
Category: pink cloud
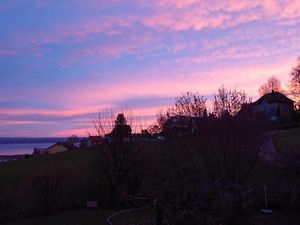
56,112
291,8
132,44
102,51
20,122
19,133
175,15
82,132
177,3
196,15
193,19
96,3
80,30
230,52
245,44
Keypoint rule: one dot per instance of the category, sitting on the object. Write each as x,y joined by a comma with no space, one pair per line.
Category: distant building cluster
274,108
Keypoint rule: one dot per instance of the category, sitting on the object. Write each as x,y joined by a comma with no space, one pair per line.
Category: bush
45,191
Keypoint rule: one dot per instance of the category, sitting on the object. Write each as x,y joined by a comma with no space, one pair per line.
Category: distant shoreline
21,148
18,140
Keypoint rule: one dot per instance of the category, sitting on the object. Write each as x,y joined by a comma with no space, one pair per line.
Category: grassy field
288,141
14,172
79,217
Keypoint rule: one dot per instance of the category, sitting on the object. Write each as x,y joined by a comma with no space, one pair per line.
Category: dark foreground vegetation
197,179
72,217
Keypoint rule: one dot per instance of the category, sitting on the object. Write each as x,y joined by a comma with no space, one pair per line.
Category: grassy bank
13,173
288,141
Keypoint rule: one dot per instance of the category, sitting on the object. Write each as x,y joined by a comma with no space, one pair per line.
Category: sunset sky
61,62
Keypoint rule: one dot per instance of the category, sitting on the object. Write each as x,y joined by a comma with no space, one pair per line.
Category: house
53,149
274,106
177,125
94,140
181,126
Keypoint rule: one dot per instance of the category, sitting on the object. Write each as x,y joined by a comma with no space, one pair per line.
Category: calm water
26,148
15,146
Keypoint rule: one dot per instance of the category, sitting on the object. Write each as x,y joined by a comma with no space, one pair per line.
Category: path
268,151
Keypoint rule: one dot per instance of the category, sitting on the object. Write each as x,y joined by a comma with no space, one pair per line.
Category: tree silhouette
228,102
295,82
121,120
161,119
273,84
189,104
121,129
73,139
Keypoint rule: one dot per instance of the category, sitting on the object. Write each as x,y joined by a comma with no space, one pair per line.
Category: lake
17,149
16,146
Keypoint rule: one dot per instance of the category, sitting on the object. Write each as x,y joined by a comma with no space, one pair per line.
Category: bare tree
229,101
273,84
294,86
73,139
103,123
189,104
153,129
161,119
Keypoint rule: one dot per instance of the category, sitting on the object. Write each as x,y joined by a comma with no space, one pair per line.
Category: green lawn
79,217
288,141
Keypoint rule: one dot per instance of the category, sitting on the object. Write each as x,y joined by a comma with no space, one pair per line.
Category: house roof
273,97
68,145
178,121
